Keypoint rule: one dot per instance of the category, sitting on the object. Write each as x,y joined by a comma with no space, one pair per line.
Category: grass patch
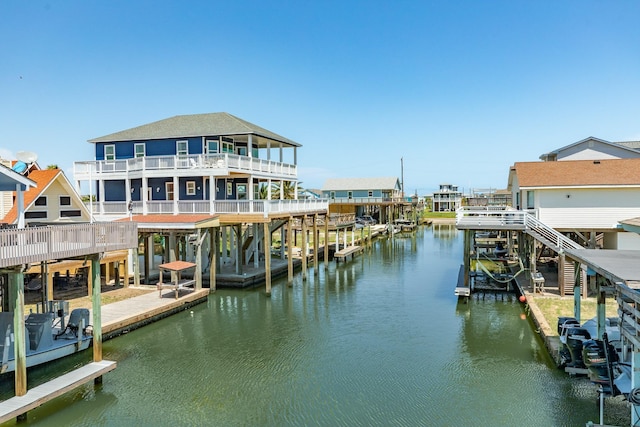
427,214
554,307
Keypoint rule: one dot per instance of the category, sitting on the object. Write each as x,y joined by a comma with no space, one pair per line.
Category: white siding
587,208
622,241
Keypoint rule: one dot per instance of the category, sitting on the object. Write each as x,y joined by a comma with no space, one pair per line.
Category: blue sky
459,89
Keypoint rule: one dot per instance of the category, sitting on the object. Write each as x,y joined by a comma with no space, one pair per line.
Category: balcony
187,165
37,244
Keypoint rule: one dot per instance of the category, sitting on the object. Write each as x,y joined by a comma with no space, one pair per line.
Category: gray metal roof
195,125
615,265
630,144
379,183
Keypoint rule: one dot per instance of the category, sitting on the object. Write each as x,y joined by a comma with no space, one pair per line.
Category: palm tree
288,190
54,166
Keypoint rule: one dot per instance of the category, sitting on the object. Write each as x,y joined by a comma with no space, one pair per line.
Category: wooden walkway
124,316
18,405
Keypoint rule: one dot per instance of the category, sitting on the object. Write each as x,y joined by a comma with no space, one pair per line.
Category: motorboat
47,337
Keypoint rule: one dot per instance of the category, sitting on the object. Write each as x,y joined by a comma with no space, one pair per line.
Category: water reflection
378,340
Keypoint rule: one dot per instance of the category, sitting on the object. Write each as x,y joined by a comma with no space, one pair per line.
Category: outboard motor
72,330
598,357
564,322
575,340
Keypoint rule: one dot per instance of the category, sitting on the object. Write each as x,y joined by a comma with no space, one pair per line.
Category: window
169,189
370,193
227,147
254,153
256,190
241,191
41,201
182,148
211,146
518,200
229,188
332,195
35,215
109,152
241,151
191,188
65,201
70,213
530,204
350,194
138,150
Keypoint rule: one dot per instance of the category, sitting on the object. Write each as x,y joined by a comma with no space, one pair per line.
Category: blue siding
159,147
114,191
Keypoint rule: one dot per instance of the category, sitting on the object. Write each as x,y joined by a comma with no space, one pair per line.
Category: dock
347,251
19,405
461,290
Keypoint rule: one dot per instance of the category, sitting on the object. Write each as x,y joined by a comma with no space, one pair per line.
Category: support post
467,256
198,272
316,243
96,308
213,249
267,258
326,242
576,290
290,244
303,250
601,308
16,291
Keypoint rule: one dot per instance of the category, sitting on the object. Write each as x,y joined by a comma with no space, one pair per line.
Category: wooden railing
30,245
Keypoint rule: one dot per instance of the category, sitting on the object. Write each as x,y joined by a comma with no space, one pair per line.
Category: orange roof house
580,195
52,200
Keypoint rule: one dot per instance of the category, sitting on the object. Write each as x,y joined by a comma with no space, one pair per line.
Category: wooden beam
96,307
267,258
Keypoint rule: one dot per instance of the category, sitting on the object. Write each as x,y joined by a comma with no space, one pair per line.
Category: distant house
584,196
489,197
447,199
594,149
363,195
53,200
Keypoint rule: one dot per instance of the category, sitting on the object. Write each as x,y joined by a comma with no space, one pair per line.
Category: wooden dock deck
19,405
345,252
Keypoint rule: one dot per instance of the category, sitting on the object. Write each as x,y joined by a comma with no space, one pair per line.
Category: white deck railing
488,217
263,207
200,164
365,200
37,244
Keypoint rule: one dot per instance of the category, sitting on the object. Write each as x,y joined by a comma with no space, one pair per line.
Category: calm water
377,341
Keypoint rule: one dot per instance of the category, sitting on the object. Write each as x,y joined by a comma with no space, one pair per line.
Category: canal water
376,341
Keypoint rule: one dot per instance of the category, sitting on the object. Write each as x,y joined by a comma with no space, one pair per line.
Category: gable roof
632,146
578,173
379,183
43,179
194,125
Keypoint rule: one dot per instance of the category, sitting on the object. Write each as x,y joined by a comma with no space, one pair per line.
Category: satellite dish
26,156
